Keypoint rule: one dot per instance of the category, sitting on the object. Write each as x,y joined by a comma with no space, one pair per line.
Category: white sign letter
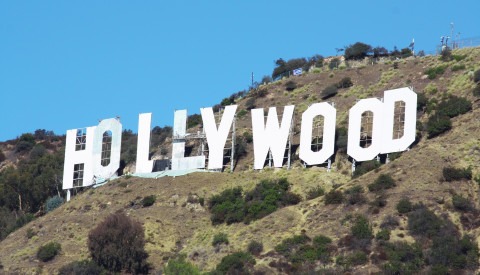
328,140
270,137
354,126
216,138
143,164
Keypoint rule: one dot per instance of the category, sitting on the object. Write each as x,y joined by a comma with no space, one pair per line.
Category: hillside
178,223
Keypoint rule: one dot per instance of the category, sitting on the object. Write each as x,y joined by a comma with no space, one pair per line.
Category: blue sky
65,64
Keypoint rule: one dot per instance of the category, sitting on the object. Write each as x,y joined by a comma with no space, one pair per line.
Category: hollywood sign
94,152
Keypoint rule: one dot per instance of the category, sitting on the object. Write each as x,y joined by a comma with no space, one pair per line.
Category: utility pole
252,79
451,36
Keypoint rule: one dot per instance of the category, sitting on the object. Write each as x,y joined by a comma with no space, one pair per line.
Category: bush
365,167
47,252
329,91
461,203
250,103
345,83
38,151
453,252
148,200
422,101
179,267
454,106
423,222
453,174
290,85
437,125
357,258
433,72
403,258
389,222
118,244
334,197
476,76
25,142
315,192
458,67
476,90
248,137
220,238
383,235
255,247
404,206
267,196
236,263
355,195
242,113
53,203
85,267
2,156
194,120
333,63
384,181
361,228
358,50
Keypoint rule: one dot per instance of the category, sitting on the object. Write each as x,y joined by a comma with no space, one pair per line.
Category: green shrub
476,90
404,206
458,67
365,167
179,267
433,72
354,195
227,101
220,238
236,263
357,258
299,249
422,101
250,103
118,243
476,76
148,200
345,82
255,247
439,270
403,258
459,57
384,181
437,125
423,222
267,196
53,203
453,252
47,252
290,85
84,267
383,235
30,233
248,137
194,120
334,63
38,151
358,50
390,222
315,192
361,228
329,91
453,174
334,197
461,203
454,106
242,113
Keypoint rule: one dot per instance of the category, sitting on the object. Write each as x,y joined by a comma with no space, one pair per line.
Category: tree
379,51
118,243
358,50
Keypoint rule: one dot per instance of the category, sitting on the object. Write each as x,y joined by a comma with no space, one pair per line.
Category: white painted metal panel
329,114
114,126
143,164
270,137
217,138
390,145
